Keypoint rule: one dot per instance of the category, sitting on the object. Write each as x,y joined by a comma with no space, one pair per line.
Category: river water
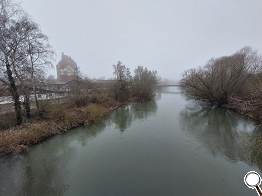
167,147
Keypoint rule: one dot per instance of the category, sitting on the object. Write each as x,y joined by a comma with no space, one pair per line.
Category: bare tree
222,78
123,79
10,45
39,53
76,85
144,83
24,52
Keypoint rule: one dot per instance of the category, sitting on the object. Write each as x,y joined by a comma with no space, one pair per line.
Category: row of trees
238,75
24,54
141,85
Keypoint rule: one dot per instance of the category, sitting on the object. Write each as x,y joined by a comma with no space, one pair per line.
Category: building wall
66,69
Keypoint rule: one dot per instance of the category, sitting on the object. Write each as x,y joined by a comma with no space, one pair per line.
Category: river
167,147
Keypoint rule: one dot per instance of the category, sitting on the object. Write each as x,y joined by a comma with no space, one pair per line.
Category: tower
66,69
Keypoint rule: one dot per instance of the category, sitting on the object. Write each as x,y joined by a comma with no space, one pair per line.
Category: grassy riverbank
57,119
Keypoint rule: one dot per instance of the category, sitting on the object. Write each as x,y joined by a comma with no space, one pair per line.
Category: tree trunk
27,106
36,100
34,83
15,95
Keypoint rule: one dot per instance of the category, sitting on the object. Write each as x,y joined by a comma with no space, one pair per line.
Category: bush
78,101
144,83
57,112
121,91
221,78
7,120
95,112
141,86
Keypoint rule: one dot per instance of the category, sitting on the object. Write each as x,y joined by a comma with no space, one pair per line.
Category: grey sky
169,36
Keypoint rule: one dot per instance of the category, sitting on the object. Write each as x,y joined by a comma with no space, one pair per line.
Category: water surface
167,147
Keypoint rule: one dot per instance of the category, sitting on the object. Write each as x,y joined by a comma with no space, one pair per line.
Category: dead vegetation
57,118
77,109
232,81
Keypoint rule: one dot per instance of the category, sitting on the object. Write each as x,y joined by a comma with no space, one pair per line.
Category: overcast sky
169,36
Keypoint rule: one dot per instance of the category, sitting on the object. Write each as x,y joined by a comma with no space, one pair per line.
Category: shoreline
17,140
231,107
247,115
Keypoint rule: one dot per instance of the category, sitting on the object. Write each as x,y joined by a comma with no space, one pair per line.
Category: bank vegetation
81,107
25,57
234,82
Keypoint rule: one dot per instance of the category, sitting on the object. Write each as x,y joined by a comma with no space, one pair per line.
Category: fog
169,36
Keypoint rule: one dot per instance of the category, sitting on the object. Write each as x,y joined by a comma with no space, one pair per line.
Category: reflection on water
37,173
124,116
24,175
224,132
255,146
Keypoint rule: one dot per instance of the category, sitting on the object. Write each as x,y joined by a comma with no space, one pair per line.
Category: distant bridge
168,85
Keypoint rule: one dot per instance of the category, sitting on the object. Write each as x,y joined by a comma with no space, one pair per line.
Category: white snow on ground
8,99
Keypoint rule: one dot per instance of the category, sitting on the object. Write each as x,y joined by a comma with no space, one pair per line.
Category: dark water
163,148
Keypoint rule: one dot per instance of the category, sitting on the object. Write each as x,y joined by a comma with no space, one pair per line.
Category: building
66,69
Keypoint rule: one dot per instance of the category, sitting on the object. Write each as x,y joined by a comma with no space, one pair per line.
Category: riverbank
244,109
249,108
58,120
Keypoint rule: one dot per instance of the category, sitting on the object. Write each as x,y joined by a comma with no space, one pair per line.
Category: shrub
221,78
95,112
144,83
7,120
103,97
78,101
56,112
